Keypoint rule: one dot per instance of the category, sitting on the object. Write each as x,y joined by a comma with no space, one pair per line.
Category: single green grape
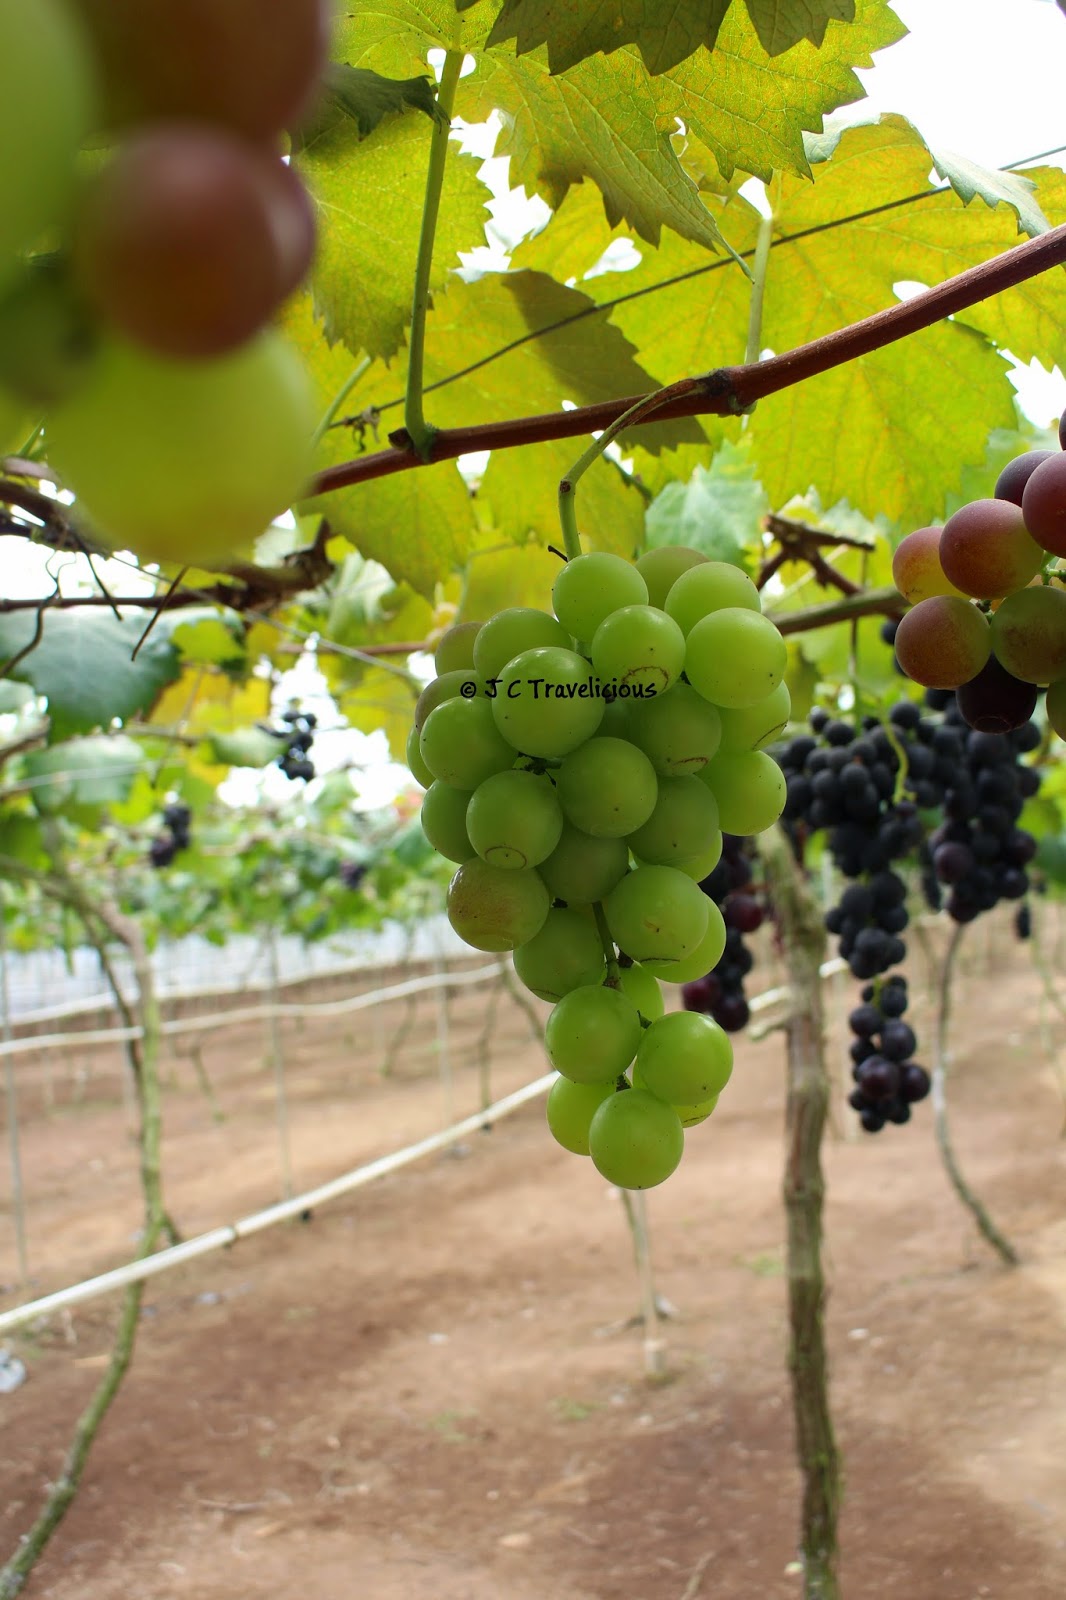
571,1108
590,587
461,744
419,771
643,990
657,914
707,588
703,958
444,821
638,651
511,632
592,1034
685,1058
690,1115
678,731
753,727
750,790
566,954
660,568
699,867
496,910
545,704
735,657
186,461
607,787
635,1140
446,687
514,820
455,651
582,869
683,827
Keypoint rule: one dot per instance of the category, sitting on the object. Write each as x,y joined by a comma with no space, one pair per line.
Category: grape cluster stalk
582,768
139,287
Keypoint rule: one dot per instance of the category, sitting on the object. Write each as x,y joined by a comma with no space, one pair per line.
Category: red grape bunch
150,231
580,768
1002,553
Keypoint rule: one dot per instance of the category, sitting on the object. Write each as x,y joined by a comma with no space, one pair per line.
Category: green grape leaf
246,747
666,31
369,195
80,778
719,510
20,840
83,665
209,637
781,24
602,120
366,98
970,180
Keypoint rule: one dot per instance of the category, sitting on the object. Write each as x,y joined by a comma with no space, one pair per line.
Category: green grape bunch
580,768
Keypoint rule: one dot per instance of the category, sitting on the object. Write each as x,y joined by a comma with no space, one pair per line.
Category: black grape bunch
866,790
294,760
741,900
175,837
978,855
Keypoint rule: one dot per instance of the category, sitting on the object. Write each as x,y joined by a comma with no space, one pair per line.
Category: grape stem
419,434
637,412
609,953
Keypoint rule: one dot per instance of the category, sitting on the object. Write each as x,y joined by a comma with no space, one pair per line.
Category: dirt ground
427,1390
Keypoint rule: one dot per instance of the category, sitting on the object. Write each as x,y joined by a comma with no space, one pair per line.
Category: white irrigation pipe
218,1238
222,1019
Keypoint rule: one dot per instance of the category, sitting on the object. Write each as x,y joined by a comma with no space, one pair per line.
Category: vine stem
358,372
418,433
804,941
636,413
986,1226
728,390
758,289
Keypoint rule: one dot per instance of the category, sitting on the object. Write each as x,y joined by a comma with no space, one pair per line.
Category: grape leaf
369,196
969,179
209,637
781,24
81,777
719,510
393,36
83,665
751,111
367,98
601,120
666,31
245,747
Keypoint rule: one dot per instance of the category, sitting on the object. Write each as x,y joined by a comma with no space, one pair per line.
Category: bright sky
980,77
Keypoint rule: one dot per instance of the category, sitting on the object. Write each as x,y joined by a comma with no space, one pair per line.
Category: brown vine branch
803,938
874,603
729,390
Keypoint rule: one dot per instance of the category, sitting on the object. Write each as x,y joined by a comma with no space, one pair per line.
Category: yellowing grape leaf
380,702
602,120
369,195
751,110
393,36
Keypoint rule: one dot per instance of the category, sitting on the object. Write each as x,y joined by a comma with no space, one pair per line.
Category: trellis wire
230,1233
